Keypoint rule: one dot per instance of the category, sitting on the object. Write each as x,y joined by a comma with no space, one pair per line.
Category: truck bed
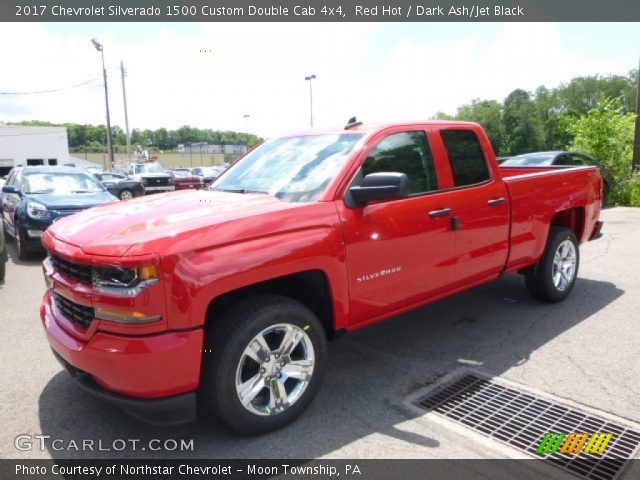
538,194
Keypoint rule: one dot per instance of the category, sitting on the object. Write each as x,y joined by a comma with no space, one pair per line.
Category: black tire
3,262
546,280
21,245
225,362
7,238
126,194
605,195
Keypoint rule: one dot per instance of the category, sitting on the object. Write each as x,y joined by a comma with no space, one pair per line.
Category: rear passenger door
480,209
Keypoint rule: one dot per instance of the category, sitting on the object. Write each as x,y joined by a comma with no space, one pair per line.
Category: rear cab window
466,158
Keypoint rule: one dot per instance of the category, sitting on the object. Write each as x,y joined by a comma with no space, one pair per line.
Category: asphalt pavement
583,351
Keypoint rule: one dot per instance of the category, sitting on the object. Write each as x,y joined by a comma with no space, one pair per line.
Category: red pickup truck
229,295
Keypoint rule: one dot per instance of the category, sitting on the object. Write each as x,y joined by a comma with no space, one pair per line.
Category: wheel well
573,219
310,288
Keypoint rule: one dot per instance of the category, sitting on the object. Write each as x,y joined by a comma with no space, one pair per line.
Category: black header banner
320,11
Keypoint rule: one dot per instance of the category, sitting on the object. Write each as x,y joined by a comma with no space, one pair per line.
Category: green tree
487,113
522,132
551,119
606,133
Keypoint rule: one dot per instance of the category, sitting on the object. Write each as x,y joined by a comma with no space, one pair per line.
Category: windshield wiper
239,190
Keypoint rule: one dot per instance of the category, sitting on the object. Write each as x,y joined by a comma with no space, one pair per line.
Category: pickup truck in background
229,295
153,176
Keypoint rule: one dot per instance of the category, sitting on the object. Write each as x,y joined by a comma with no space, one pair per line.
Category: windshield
181,173
149,168
60,183
294,169
533,159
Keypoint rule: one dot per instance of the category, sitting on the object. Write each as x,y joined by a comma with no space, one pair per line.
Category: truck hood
165,222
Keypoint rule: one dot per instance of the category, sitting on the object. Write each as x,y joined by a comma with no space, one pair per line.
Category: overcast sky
210,75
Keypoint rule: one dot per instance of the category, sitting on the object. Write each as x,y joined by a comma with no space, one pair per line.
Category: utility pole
310,78
126,116
635,162
99,48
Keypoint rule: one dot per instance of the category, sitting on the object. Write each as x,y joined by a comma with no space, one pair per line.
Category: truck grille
79,272
156,181
79,314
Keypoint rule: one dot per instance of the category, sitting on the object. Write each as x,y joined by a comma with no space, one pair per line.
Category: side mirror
10,189
380,186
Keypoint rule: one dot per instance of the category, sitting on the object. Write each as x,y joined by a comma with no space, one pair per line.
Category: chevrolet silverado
224,299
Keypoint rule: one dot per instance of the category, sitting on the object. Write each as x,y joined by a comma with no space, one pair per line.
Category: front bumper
170,188
175,410
153,377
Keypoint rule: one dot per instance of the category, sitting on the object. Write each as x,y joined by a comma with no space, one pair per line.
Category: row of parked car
35,197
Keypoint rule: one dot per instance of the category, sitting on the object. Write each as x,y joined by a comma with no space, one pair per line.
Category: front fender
196,279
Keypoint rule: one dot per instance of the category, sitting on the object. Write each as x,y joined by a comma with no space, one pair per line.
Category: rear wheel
126,194
553,277
263,363
605,195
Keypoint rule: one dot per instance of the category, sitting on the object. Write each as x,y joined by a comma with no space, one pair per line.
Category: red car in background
185,180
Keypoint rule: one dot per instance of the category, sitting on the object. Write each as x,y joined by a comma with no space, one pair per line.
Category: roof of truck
369,128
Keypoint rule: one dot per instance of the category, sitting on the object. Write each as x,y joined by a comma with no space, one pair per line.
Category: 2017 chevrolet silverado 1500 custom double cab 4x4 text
229,295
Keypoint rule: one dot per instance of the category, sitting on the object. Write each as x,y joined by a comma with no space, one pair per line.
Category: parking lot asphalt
584,350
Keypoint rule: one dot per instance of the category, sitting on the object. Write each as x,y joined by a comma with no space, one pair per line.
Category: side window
581,159
465,154
408,153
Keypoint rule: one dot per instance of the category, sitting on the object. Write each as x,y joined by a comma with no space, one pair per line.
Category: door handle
496,201
441,212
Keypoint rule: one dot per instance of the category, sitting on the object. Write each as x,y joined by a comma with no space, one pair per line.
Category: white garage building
32,146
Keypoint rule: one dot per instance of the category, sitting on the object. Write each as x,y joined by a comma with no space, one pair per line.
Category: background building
32,146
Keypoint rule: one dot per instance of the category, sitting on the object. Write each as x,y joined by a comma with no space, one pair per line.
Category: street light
98,46
310,77
246,117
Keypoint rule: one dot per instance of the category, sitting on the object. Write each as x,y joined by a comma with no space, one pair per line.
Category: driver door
399,252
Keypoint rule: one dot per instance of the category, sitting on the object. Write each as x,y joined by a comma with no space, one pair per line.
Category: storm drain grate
522,419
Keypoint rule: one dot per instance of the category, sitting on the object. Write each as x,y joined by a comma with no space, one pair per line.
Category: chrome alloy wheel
275,369
564,265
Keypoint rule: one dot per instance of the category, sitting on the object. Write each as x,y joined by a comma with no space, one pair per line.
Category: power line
51,90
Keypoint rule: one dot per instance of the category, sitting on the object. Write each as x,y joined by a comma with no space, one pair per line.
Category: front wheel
21,243
553,277
263,363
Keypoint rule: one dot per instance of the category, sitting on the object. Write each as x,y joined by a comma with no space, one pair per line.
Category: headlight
126,282
37,210
170,179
